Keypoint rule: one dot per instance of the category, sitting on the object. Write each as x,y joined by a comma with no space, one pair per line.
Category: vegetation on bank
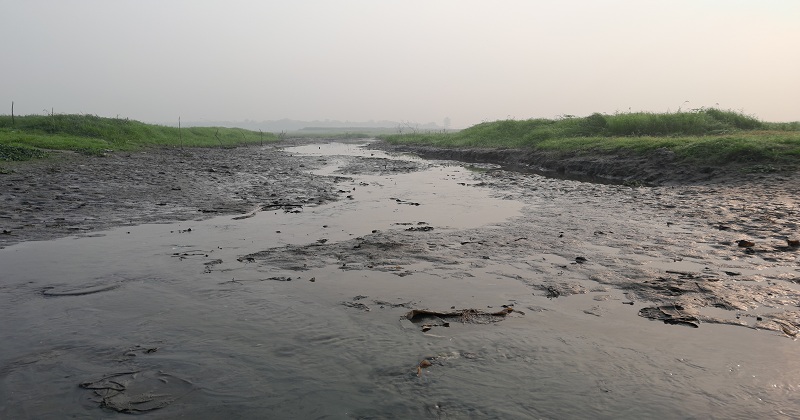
25,137
707,135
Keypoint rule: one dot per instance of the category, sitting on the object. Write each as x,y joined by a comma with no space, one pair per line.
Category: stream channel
300,312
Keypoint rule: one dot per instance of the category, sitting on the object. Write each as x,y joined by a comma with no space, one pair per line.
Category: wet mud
74,194
136,391
659,167
313,280
671,246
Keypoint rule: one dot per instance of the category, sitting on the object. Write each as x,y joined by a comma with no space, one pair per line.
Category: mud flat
311,280
74,194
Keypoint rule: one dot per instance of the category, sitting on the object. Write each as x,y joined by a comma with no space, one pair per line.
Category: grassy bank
24,137
708,136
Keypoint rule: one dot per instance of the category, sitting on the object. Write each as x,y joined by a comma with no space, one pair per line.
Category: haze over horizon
417,61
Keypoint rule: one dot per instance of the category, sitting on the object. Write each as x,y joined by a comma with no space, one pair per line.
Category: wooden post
180,136
259,130
12,114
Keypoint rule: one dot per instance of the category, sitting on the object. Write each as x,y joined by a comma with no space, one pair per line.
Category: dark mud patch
72,290
427,319
670,314
554,289
358,303
381,166
381,251
658,167
136,392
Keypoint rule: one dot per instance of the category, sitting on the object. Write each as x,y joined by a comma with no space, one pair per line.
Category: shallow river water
301,312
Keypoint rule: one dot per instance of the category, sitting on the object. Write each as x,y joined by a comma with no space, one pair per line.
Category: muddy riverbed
335,281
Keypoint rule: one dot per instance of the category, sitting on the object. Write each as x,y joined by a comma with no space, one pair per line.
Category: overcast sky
406,60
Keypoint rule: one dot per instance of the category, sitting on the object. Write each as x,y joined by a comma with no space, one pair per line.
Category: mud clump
428,319
670,314
137,392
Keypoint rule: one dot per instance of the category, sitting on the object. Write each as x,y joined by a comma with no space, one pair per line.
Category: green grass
709,136
19,153
25,136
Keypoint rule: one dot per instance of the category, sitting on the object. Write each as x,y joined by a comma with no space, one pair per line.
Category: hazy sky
408,60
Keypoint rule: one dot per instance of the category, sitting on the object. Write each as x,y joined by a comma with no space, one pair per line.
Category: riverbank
637,148
72,193
656,167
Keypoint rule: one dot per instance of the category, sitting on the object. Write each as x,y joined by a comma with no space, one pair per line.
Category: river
300,312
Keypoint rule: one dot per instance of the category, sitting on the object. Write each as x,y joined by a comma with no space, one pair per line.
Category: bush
18,153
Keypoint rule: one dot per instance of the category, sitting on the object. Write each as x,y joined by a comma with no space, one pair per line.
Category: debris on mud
442,358
242,281
140,349
410,203
382,166
420,229
380,251
286,207
670,314
428,319
355,304
425,363
553,290
244,216
279,278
